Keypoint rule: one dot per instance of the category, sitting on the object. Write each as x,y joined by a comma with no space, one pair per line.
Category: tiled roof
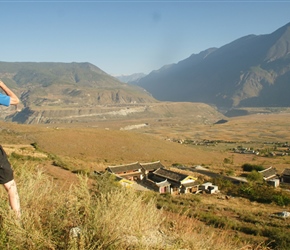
268,173
152,165
124,168
163,183
286,171
169,175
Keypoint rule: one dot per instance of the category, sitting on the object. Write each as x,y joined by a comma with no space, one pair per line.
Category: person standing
6,172
9,98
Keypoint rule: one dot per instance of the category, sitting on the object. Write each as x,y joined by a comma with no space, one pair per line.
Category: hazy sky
125,37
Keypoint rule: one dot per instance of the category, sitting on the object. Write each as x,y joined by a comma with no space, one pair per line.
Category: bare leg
13,197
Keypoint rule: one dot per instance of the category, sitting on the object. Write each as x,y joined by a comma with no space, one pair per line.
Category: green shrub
279,238
35,145
24,157
216,221
59,162
223,184
250,167
281,199
251,230
227,160
255,176
261,193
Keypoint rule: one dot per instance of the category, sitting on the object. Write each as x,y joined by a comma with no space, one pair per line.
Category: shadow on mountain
236,112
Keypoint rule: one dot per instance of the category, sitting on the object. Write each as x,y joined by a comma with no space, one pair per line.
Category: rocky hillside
65,89
198,113
82,93
67,84
251,71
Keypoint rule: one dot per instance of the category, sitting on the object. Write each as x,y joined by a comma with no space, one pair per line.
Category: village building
179,183
124,182
150,167
274,182
155,176
270,176
161,187
132,171
208,187
269,173
285,176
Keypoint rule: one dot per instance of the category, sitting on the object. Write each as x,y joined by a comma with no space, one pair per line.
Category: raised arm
13,98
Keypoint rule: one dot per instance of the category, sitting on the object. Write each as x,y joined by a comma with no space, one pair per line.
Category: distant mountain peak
130,78
68,84
281,43
253,70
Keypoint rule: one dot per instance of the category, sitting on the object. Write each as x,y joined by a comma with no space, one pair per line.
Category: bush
227,160
280,239
223,184
250,167
58,162
24,158
262,194
255,176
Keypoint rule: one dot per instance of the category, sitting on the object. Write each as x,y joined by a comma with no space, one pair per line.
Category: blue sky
126,37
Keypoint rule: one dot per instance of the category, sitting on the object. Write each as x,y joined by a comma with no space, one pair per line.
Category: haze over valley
252,71
210,117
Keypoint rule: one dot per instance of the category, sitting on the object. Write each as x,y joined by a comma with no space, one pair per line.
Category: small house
150,167
285,176
132,171
190,187
124,182
208,187
179,183
274,182
161,187
269,173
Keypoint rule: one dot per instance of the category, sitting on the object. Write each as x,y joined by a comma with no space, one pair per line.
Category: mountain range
76,83
252,71
65,91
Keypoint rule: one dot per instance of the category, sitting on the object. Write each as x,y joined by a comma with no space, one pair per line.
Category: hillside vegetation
46,159
101,215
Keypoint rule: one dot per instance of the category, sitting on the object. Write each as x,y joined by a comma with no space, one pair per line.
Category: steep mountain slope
64,89
250,71
82,93
57,84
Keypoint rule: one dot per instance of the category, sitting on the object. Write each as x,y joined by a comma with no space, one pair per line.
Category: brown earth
97,145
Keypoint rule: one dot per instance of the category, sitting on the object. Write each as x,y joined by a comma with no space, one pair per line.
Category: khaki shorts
6,172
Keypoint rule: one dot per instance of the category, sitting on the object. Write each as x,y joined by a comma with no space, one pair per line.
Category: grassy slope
96,148
98,145
105,144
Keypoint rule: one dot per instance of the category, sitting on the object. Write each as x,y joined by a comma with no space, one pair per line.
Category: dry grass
91,146
48,216
95,146
83,217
